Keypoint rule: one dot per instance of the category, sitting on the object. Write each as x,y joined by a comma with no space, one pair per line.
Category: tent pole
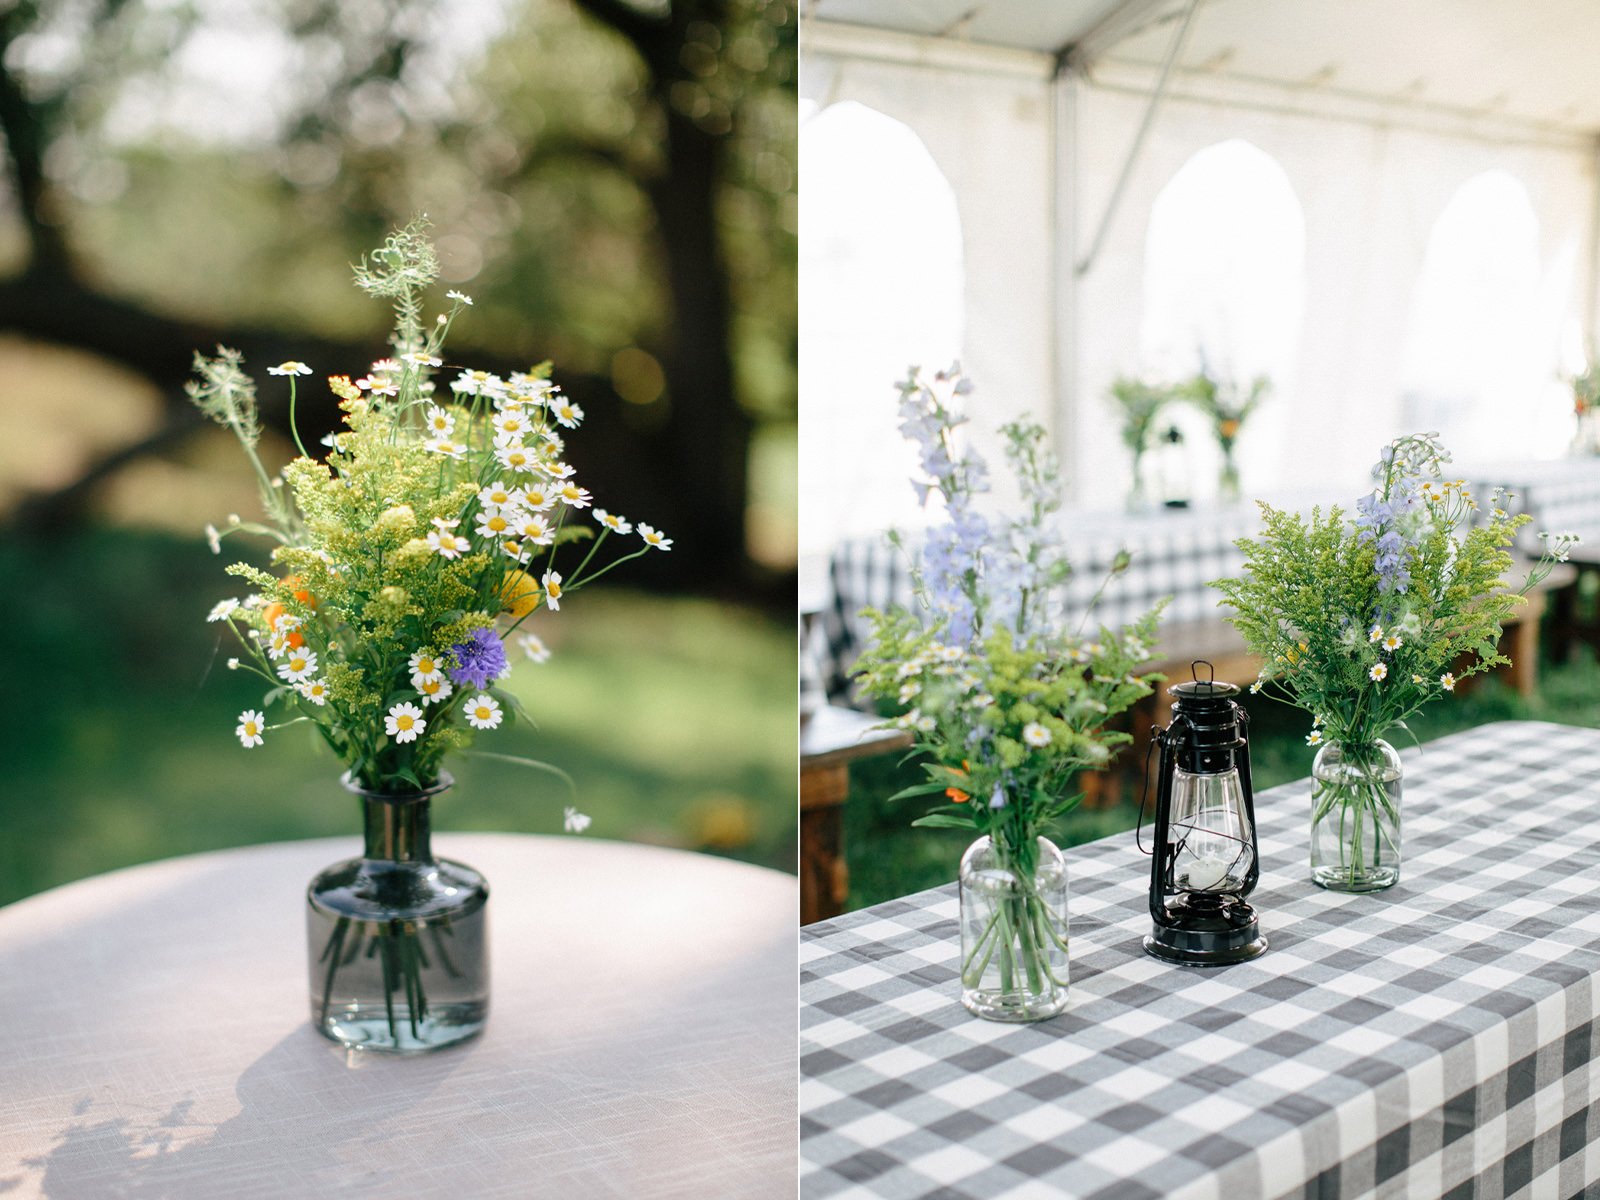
1132,158
1064,280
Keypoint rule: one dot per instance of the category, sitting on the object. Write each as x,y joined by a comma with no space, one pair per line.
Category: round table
155,1037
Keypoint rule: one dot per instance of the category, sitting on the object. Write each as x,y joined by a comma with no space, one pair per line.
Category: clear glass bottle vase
1355,817
1013,931
397,939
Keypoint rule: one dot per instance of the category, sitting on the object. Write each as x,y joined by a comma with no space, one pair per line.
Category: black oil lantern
1205,860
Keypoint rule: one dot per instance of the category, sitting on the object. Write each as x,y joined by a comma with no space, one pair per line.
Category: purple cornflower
481,658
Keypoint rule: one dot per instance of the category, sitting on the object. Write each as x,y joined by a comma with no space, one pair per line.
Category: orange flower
1229,429
271,613
300,593
957,796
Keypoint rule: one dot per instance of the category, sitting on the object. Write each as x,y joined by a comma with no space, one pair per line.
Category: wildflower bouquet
438,521
1362,622
428,533
1006,700
1227,411
1138,402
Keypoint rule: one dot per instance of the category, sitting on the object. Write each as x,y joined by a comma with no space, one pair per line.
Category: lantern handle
1194,672
1159,740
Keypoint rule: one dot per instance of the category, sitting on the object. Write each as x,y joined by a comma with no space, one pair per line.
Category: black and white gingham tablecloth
1439,1039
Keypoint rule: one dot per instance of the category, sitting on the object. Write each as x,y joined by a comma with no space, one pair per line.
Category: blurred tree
614,180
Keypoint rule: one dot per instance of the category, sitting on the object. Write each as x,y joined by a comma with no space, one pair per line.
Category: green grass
675,717
887,858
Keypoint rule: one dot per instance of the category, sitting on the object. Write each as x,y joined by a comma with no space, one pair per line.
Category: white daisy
292,367
552,590
654,537
424,666
537,497
448,545
1036,735
1375,634
1379,672
382,385
214,539
533,646
1392,642
498,495
536,529
314,690
575,821
511,423
404,723
497,524
251,726
1314,738
438,422
435,691
909,691
516,457
516,550
282,642
483,712
419,358
222,610
298,665
613,522
445,446
285,623
559,470
573,495
566,412
459,298
1447,681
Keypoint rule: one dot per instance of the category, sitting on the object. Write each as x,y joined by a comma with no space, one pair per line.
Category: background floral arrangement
429,532
1006,699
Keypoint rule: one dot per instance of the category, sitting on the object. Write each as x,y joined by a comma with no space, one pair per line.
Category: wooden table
155,1038
830,739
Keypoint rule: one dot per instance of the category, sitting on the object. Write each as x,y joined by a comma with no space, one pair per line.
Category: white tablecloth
155,1036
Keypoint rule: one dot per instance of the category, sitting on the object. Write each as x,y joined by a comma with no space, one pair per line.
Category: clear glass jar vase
1013,931
1355,817
397,939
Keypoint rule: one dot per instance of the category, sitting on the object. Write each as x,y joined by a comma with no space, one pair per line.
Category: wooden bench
830,740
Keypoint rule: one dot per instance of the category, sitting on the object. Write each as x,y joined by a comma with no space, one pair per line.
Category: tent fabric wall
991,134
1371,192
1371,196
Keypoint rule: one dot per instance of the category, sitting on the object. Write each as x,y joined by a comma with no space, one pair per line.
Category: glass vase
1013,930
397,939
1355,817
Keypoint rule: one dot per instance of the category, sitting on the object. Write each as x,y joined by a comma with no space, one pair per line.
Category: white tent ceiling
1528,62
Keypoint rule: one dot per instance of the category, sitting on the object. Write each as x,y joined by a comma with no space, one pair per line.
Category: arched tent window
1224,285
881,288
1485,336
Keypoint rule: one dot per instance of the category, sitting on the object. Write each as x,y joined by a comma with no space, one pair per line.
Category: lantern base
1207,937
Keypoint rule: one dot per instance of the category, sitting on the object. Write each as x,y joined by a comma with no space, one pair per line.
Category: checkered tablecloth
1561,494
1439,1039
